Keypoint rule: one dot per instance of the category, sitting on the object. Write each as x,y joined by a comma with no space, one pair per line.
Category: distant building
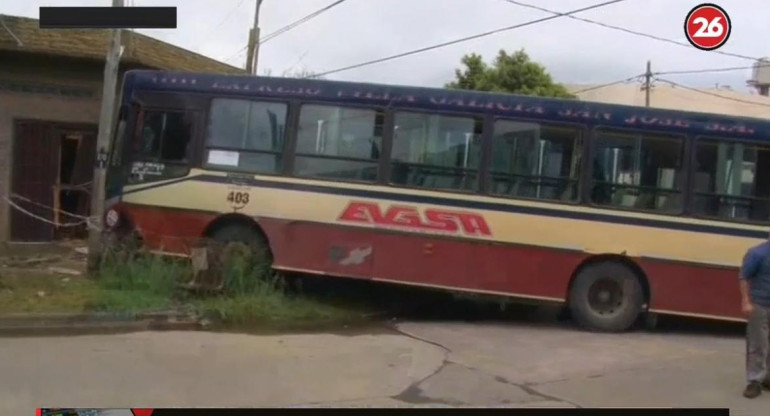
50,98
706,100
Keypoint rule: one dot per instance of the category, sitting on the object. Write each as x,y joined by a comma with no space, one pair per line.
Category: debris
24,262
62,270
82,250
199,257
41,294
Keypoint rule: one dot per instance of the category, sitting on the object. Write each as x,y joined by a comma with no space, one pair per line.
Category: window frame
686,162
584,137
138,123
288,134
387,134
692,171
135,122
485,129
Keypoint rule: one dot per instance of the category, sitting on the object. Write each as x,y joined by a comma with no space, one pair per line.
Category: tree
514,73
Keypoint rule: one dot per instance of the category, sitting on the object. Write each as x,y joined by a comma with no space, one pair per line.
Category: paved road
523,364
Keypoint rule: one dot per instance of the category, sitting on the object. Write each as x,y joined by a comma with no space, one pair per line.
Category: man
755,303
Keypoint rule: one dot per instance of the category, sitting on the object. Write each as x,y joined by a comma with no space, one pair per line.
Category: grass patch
254,295
274,310
39,292
247,291
140,282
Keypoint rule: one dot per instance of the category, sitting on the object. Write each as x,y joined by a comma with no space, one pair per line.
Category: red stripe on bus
452,263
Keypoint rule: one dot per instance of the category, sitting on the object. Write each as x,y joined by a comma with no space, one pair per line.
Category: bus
615,212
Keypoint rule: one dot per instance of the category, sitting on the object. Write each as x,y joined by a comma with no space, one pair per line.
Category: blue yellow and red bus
614,211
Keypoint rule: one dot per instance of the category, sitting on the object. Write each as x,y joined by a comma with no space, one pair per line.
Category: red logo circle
707,26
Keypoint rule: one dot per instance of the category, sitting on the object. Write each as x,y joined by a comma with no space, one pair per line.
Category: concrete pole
96,225
252,61
647,82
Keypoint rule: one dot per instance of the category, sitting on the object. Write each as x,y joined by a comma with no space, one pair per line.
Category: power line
675,84
609,84
225,19
291,26
707,70
465,39
622,29
285,28
235,55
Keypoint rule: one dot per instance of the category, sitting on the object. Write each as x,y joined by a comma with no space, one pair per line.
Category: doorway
51,176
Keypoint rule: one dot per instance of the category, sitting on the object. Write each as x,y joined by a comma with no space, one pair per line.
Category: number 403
238,198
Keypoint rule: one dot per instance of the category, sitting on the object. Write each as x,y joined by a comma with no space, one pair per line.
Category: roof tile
92,44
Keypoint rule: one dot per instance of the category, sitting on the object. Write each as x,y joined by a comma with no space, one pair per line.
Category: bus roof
447,100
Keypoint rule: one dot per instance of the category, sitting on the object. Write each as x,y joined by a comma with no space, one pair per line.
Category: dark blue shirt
756,270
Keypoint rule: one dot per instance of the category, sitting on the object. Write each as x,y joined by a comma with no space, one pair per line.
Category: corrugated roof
23,34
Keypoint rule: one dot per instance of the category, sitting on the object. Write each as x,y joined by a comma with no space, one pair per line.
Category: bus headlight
112,218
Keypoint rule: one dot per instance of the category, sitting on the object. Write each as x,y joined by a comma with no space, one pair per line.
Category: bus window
161,145
531,160
164,136
338,143
638,171
246,135
732,180
436,151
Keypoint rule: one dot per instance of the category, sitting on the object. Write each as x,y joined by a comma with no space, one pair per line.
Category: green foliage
250,294
139,282
514,73
21,290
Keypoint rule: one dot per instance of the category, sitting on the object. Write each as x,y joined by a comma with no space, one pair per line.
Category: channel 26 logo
707,26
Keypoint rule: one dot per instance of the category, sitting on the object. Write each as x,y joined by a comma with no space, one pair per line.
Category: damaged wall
46,89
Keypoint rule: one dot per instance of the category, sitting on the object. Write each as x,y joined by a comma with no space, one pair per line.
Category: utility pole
106,115
252,60
647,84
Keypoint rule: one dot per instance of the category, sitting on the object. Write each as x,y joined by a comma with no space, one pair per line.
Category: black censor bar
108,17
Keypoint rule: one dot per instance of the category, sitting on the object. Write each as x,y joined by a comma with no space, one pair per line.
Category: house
50,98
705,100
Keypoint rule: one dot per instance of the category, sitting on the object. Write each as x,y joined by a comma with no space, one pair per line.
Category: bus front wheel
242,234
607,297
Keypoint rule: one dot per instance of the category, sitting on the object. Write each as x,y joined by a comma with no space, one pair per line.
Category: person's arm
748,270
745,298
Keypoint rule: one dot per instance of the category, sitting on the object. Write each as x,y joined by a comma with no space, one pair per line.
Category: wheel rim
605,297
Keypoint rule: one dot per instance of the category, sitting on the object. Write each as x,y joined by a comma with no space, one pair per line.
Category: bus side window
642,171
436,151
338,143
246,135
531,160
732,180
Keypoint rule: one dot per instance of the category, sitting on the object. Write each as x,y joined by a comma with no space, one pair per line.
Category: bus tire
240,233
606,297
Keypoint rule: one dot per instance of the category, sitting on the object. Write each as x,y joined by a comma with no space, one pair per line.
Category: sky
574,52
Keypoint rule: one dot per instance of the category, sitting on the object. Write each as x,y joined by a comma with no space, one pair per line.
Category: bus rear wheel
606,297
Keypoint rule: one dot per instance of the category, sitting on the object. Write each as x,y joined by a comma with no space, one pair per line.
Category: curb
98,323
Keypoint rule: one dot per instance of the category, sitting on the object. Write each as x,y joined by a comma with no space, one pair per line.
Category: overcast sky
574,52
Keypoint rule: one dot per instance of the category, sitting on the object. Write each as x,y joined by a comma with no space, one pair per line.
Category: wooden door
35,169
